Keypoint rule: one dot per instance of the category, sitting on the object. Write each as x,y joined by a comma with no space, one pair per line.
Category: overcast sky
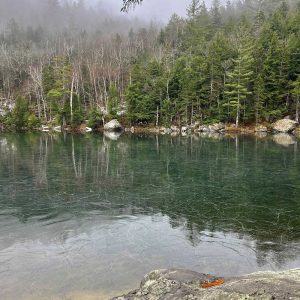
159,10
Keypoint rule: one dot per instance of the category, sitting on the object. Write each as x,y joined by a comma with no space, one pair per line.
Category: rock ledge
186,285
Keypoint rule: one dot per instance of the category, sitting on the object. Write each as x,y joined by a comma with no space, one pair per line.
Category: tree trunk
71,98
297,109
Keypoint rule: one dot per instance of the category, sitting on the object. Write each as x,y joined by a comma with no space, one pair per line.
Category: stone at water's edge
260,128
113,125
217,127
285,125
185,285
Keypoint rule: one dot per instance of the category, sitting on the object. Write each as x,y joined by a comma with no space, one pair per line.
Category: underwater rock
112,135
284,139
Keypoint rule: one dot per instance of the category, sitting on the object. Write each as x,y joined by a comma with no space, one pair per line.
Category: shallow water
85,217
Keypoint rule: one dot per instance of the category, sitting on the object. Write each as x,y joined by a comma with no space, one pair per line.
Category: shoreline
261,130
179,284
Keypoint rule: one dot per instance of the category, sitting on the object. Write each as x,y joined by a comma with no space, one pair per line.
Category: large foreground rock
113,125
285,125
186,285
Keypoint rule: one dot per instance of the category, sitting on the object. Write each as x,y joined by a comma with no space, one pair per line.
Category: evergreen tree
296,95
237,87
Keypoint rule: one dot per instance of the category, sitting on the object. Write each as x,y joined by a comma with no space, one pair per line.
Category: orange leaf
211,284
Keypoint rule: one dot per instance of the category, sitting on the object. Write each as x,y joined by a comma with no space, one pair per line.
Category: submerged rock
284,139
212,135
183,285
112,135
113,125
285,125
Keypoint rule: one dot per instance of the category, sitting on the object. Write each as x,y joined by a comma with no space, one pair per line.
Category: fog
158,10
37,12
103,16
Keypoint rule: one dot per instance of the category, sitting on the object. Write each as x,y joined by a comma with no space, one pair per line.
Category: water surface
85,217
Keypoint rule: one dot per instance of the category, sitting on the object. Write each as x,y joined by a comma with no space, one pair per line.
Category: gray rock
185,129
217,127
260,128
113,125
175,128
186,285
203,128
285,125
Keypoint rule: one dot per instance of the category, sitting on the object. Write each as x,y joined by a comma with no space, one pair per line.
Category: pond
85,217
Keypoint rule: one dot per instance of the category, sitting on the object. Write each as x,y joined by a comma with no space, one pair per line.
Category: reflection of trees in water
249,186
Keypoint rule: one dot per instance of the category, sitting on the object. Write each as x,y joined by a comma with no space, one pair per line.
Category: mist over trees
63,62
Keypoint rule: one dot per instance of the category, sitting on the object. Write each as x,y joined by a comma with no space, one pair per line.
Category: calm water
85,217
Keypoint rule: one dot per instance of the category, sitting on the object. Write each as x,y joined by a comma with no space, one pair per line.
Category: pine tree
193,9
296,95
237,86
259,97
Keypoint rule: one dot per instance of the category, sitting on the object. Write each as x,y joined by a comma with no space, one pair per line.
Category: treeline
236,63
71,73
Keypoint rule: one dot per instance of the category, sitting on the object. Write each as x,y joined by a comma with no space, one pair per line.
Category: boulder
203,128
164,130
260,128
183,285
175,128
113,125
184,128
216,127
285,125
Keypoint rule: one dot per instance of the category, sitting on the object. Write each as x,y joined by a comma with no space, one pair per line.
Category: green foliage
112,101
21,117
232,63
94,118
33,121
236,89
18,118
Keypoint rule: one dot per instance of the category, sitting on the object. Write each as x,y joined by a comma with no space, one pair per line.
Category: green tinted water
85,217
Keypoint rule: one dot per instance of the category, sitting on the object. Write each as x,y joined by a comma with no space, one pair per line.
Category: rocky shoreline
177,284
284,130
287,126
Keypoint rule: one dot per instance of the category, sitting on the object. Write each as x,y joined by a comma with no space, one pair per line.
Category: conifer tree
296,95
239,78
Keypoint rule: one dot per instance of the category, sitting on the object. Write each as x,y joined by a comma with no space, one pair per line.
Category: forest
69,64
